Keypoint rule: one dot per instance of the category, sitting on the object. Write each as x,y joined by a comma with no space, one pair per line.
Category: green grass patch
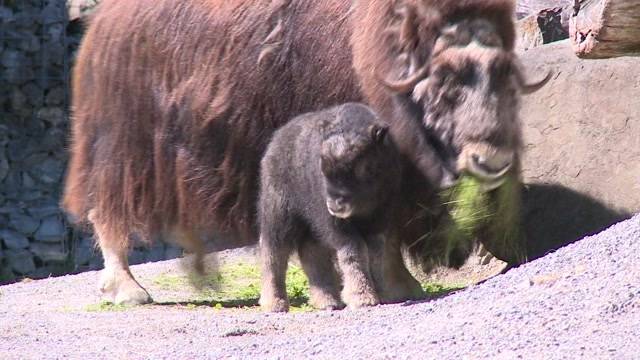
436,290
237,285
105,306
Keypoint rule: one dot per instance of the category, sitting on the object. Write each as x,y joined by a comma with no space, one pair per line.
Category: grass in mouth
494,215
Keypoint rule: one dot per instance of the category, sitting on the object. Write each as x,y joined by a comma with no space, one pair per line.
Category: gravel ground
582,301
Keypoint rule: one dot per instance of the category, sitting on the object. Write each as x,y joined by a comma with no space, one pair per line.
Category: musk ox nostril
479,160
495,165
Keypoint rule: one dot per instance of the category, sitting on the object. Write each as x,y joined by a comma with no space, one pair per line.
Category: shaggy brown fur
167,134
175,101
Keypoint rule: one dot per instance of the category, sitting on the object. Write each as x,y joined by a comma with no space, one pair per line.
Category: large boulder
525,8
582,138
543,27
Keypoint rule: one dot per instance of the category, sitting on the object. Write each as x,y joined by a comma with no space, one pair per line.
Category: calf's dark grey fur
329,181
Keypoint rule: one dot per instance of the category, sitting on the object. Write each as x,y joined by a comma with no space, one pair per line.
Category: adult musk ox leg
117,284
398,283
192,243
317,263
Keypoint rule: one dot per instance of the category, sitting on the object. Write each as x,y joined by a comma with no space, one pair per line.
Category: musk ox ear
378,133
324,126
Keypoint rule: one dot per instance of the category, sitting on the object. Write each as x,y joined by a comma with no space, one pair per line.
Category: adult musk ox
175,101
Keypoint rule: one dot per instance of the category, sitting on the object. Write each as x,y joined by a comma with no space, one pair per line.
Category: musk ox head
465,88
356,161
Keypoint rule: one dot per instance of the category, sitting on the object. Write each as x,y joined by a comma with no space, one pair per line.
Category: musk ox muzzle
486,162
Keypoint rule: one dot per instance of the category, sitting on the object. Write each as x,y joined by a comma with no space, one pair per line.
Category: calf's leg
278,233
353,259
324,285
398,284
273,294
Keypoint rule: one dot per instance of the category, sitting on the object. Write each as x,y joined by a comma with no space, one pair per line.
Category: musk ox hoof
274,304
325,302
356,300
400,292
121,288
133,296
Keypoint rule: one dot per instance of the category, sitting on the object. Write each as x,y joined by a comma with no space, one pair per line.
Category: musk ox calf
329,181
174,103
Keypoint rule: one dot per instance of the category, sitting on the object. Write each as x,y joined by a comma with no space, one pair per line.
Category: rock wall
37,44
582,145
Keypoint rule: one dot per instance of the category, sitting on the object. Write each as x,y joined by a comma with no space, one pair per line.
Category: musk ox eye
365,172
468,75
500,70
325,166
452,96
443,74
378,133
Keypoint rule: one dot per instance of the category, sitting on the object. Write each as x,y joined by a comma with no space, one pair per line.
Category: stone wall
37,44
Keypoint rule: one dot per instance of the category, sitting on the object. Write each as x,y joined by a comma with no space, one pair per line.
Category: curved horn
405,86
532,87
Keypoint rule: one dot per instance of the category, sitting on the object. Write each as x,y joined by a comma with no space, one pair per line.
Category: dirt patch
580,302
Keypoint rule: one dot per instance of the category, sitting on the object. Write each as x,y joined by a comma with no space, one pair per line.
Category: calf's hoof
403,292
356,300
274,304
325,302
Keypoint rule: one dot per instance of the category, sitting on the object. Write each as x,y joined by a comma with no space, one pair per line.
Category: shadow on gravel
239,303
231,303
434,291
431,296
555,216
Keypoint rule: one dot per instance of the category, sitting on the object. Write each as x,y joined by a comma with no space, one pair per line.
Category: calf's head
357,163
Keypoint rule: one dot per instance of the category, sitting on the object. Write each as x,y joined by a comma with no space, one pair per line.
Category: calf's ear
378,133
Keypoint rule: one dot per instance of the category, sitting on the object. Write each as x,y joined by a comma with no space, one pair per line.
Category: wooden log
605,28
